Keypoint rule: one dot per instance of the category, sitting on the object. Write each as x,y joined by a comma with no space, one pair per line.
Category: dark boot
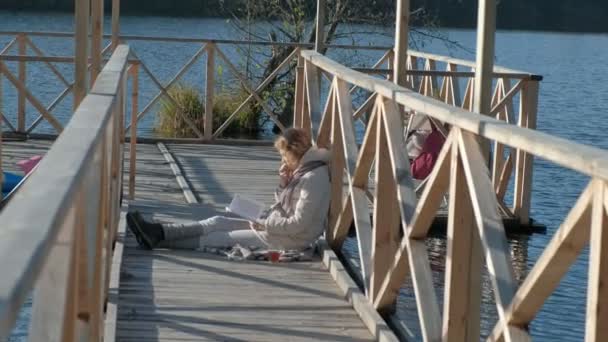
147,234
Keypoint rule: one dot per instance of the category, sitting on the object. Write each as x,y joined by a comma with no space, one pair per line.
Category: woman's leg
194,230
217,231
225,239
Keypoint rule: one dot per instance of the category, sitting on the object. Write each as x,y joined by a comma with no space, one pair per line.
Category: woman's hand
284,175
256,226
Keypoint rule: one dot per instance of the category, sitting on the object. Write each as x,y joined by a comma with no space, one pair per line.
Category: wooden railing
59,229
424,77
388,254
210,50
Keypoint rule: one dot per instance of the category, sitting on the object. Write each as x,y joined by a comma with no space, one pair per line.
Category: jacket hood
315,154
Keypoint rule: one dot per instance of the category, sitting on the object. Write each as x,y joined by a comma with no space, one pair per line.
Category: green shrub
169,121
171,124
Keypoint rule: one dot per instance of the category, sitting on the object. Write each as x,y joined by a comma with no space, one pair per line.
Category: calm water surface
573,104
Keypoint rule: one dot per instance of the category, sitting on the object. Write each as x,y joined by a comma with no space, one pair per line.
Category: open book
246,208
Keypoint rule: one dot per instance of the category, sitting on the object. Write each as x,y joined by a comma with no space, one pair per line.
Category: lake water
573,104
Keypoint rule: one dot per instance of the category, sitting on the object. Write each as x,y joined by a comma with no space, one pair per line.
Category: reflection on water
406,310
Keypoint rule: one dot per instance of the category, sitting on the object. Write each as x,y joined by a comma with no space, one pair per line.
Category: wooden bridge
63,236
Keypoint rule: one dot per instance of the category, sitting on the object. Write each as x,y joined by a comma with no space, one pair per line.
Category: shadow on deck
188,295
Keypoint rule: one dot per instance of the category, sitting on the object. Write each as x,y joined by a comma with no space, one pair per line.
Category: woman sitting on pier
295,222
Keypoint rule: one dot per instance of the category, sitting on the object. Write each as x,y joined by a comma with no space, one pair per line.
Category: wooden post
134,111
209,91
463,262
486,29
386,211
401,42
115,23
299,96
320,29
524,162
596,328
96,38
21,41
81,24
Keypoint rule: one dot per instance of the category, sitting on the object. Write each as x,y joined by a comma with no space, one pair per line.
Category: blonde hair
292,145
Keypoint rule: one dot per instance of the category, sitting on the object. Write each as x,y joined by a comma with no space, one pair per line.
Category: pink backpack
423,164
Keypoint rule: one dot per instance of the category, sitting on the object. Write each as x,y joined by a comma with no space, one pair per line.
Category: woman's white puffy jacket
305,216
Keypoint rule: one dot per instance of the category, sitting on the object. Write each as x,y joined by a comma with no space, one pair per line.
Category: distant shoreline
448,22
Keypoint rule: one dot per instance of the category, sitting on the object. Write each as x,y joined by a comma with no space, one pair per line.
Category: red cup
274,256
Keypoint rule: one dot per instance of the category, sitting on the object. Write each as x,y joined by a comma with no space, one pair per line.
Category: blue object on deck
11,180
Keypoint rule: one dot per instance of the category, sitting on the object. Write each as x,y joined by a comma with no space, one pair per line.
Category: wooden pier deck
168,295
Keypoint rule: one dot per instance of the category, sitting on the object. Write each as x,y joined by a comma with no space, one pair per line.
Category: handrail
425,79
413,53
586,159
59,228
464,62
198,40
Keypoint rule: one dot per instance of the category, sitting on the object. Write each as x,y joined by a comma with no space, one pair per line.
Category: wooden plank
524,163
597,294
343,222
423,217
133,141
299,93
97,17
21,42
422,279
461,316
505,176
552,265
491,230
313,86
386,213
357,195
111,317
484,65
401,42
325,134
367,151
467,102
52,309
96,235
209,91
115,24
400,162
320,27
81,41
337,174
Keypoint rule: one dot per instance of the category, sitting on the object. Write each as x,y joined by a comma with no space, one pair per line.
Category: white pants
217,231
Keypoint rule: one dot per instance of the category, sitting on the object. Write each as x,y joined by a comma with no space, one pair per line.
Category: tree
294,21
